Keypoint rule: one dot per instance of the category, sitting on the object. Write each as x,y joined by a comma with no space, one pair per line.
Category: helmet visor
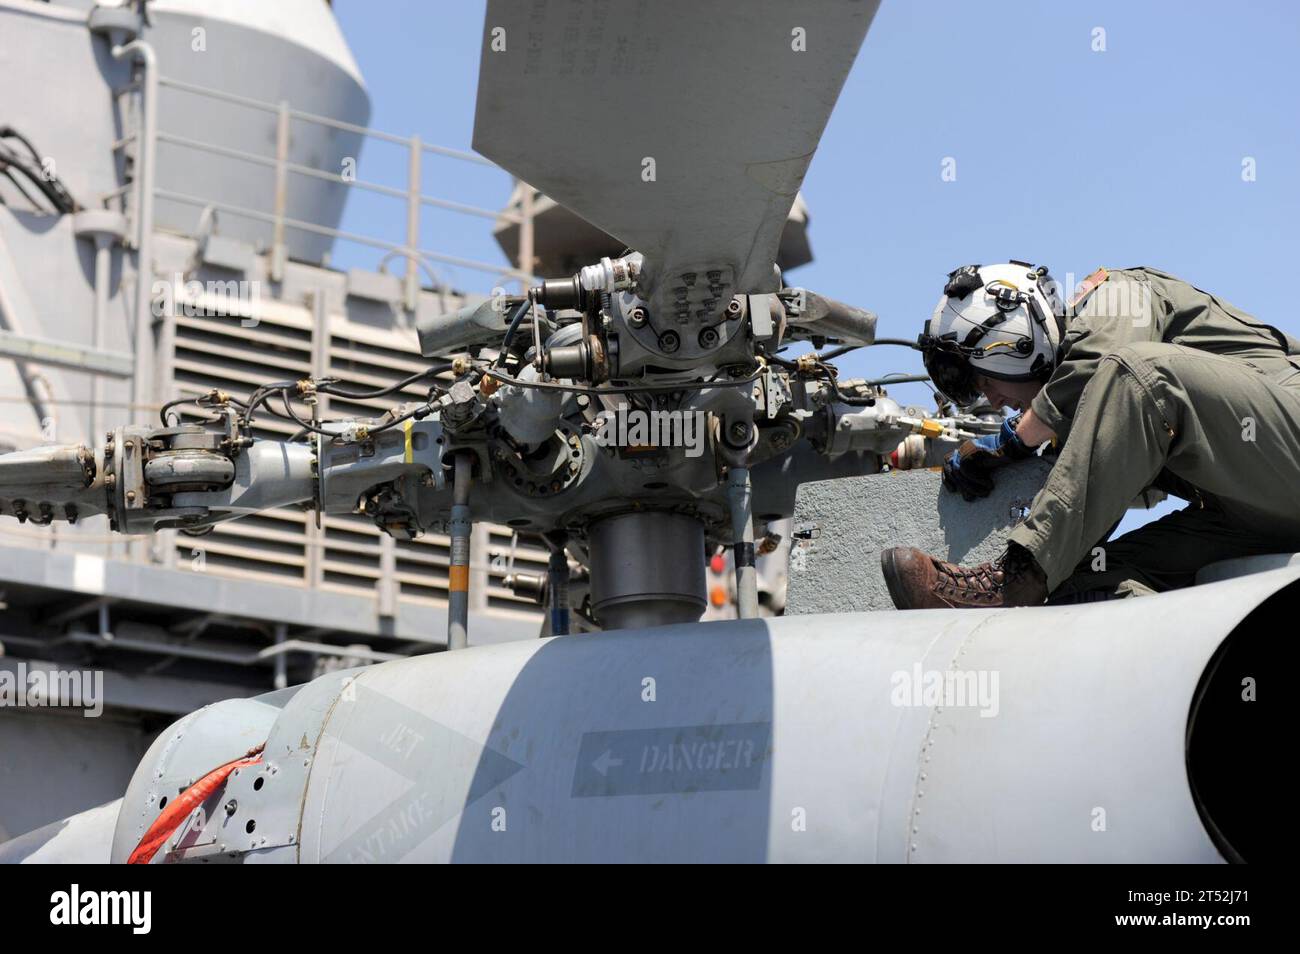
952,376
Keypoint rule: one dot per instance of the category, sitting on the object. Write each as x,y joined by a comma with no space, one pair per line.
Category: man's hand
967,471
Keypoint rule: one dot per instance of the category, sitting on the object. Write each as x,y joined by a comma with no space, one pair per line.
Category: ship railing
282,168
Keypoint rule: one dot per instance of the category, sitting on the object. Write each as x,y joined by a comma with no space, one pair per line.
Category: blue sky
1064,156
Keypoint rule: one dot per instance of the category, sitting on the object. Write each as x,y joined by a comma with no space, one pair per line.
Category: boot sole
890,572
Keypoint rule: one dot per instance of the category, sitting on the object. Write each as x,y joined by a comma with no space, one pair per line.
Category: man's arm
1121,311
1033,430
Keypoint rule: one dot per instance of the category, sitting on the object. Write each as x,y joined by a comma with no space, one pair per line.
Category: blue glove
967,470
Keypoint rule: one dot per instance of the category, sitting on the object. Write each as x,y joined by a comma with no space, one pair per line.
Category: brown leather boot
917,580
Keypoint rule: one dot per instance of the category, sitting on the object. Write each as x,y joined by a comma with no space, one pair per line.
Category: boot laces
986,579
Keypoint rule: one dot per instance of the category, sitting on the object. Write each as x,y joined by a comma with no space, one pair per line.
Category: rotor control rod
740,496
557,584
458,571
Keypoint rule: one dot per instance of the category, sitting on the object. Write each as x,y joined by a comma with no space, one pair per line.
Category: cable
23,192
260,397
200,400
332,389
631,389
783,362
520,310
836,352
832,378
35,172
426,408
8,132
303,425
900,378
900,342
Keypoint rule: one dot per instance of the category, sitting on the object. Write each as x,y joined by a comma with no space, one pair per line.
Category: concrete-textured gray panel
837,568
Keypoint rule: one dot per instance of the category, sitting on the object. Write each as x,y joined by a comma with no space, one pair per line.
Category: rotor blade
683,128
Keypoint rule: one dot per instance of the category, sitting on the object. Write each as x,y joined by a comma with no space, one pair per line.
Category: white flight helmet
1002,321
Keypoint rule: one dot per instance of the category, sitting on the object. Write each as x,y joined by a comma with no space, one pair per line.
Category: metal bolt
733,308
669,342
739,431
708,338
232,806
637,318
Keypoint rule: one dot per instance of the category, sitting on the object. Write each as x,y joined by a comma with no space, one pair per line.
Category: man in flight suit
1141,380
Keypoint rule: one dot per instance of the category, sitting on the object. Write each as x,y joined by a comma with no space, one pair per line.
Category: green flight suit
1163,385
